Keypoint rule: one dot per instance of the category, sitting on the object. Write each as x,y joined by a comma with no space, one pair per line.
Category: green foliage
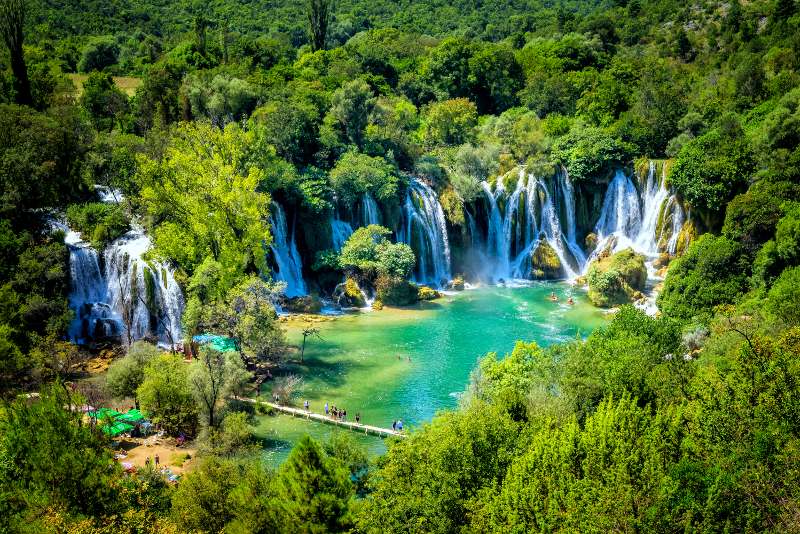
783,297
205,202
613,280
165,393
431,477
50,458
313,491
711,169
352,105
368,252
712,272
102,101
99,53
355,175
101,223
781,252
450,122
127,374
751,218
590,152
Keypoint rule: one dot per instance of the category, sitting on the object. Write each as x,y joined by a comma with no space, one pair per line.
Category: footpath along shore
322,418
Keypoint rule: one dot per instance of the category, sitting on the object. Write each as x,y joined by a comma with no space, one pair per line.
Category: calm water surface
355,365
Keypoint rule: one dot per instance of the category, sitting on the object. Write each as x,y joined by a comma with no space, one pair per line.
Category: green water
355,365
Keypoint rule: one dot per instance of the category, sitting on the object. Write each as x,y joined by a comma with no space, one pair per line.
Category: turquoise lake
355,365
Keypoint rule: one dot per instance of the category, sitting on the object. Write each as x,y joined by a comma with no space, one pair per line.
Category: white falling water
340,231
630,218
100,297
424,224
370,213
290,266
546,227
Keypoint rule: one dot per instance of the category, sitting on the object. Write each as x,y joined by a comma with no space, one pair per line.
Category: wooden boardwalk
322,418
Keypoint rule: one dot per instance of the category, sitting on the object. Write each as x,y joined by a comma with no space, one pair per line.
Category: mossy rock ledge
349,295
617,279
307,304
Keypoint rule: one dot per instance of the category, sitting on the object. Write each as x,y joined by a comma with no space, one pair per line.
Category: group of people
397,426
400,357
338,414
554,297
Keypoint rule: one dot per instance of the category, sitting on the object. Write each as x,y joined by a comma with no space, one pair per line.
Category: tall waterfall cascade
124,294
370,214
648,219
289,265
531,221
424,229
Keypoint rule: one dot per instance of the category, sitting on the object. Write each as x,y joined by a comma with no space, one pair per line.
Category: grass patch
177,459
128,85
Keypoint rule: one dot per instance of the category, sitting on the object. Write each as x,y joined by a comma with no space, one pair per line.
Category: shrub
101,52
426,293
98,222
396,292
614,280
712,272
587,152
712,168
784,297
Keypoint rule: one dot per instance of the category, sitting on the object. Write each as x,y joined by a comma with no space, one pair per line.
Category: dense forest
685,422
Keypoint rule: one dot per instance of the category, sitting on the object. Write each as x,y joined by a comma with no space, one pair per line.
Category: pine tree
314,490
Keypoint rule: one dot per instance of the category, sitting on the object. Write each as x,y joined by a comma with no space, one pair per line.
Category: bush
396,292
590,152
614,280
101,52
713,271
426,293
752,218
781,252
711,169
784,297
98,222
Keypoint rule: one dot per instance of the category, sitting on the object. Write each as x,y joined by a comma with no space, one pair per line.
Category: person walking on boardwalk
394,427
278,399
400,426
307,406
326,408
344,415
358,418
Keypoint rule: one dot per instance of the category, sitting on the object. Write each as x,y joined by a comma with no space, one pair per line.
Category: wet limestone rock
307,304
348,295
546,263
687,236
617,279
396,292
590,243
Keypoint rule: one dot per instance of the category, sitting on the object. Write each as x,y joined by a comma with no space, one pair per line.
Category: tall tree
314,490
12,21
200,34
319,13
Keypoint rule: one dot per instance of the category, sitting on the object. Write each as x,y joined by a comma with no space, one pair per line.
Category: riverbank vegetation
688,421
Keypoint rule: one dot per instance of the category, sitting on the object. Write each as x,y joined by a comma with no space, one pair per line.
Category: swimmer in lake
470,299
570,300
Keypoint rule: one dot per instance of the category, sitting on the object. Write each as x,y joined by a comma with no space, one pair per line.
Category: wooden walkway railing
322,418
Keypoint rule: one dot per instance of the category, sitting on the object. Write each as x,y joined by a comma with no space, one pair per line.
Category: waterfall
425,230
289,265
340,231
648,220
495,239
370,213
100,297
472,228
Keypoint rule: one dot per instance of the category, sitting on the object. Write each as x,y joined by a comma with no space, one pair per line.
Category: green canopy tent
117,428
102,412
131,416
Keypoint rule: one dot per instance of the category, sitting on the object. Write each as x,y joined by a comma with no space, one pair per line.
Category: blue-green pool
355,365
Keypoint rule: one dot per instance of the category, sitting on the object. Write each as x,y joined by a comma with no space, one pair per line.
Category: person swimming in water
570,300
